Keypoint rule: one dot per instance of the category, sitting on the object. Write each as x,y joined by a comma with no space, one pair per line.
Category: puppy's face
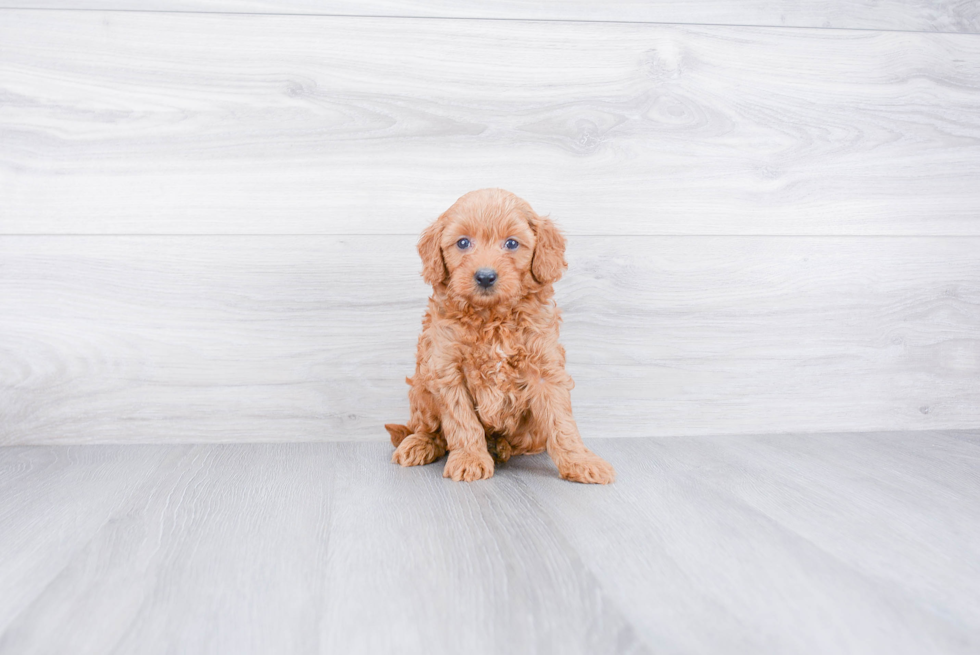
487,255
490,249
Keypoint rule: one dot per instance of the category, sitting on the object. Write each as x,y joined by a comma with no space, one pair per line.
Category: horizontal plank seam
573,235
483,18
383,439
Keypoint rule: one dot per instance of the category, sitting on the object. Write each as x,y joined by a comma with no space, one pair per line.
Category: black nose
485,277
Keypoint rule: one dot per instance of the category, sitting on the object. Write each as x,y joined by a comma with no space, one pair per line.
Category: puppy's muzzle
485,278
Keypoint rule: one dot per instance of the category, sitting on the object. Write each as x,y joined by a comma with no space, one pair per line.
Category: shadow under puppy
490,379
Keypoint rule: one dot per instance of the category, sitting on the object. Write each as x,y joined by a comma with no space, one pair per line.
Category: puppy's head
490,248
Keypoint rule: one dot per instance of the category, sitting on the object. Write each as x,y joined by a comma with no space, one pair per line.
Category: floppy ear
548,261
430,250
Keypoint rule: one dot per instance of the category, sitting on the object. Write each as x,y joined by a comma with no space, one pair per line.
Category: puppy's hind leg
418,449
420,442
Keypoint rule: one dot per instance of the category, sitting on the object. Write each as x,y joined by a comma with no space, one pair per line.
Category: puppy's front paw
468,466
588,468
417,450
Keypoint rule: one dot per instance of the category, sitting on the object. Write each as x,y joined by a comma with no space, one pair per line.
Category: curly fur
490,379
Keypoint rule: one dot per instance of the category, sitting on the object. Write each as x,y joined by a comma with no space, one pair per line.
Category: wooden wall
208,209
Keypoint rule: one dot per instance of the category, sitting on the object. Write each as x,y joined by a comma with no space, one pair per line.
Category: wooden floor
842,543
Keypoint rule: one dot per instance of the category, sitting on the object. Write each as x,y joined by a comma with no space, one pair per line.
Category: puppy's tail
397,432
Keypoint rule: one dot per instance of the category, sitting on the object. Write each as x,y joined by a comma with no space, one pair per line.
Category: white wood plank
177,339
915,15
792,543
224,123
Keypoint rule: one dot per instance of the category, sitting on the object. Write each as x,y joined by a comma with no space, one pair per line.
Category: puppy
490,378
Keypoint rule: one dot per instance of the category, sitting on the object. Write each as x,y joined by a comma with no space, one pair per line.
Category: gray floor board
833,543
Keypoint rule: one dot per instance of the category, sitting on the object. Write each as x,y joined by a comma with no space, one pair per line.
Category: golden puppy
490,378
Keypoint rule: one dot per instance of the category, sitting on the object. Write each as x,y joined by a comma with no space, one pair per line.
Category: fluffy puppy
490,378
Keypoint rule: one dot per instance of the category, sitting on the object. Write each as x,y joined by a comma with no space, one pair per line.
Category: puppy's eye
463,244
511,244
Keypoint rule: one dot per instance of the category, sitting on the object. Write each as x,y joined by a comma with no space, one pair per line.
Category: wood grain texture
182,339
806,544
914,15
223,123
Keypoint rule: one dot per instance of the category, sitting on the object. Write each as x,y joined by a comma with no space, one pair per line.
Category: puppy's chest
495,359
496,367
